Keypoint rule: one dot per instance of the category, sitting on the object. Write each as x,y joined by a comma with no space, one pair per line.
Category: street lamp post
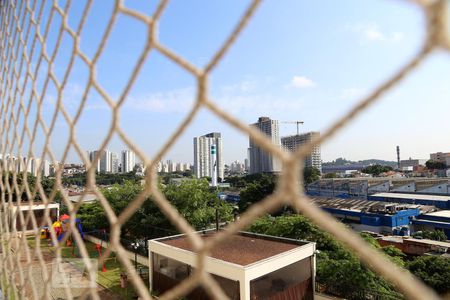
135,247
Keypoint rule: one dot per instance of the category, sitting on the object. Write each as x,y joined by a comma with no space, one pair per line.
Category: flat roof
399,239
88,197
440,213
242,249
28,204
413,196
359,205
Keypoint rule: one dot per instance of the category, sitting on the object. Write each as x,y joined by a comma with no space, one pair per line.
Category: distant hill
366,162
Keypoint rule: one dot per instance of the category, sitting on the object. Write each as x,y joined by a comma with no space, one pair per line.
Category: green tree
435,165
376,170
311,174
258,187
437,235
337,266
193,199
330,175
395,255
433,270
197,202
92,216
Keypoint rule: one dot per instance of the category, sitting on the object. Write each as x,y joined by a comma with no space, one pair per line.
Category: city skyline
283,82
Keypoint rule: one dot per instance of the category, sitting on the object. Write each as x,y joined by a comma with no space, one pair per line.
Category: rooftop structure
409,164
414,246
442,202
247,266
37,209
81,196
440,213
363,215
365,187
439,220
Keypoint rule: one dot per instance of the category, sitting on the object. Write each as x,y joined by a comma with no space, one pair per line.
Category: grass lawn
109,279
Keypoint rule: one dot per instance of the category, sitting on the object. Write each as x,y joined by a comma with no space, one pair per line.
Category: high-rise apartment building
203,160
104,163
128,159
236,167
293,142
114,163
261,161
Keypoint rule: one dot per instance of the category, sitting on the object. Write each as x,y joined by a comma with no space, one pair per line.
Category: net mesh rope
24,33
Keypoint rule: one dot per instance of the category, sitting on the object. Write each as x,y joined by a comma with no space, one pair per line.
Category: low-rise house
15,210
247,266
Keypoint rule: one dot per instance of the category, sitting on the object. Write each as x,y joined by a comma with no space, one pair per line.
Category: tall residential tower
203,160
104,163
293,142
261,161
128,161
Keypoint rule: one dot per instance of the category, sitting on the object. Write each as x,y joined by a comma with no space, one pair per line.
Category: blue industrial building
439,201
439,220
363,215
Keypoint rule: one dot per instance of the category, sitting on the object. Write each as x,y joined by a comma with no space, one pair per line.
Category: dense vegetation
20,191
102,178
376,170
256,187
339,268
437,235
435,165
194,199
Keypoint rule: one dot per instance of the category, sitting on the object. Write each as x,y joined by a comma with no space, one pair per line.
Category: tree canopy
330,175
194,200
433,270
339,268
376,170
47,184
437,235
102,178
258,187
311,174
336,265
435,165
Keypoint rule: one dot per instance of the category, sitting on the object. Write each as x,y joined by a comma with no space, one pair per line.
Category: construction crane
294,122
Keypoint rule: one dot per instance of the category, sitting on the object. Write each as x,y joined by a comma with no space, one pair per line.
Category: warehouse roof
413,196
440,213
362,205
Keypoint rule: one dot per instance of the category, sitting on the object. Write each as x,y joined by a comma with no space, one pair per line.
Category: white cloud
72,96
351,93
260,104
245,86
236,98
371,32
302,82
173,101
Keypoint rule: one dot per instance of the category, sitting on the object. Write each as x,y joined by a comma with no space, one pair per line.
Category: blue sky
297,60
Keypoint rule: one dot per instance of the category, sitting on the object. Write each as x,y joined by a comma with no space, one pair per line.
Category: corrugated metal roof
413,196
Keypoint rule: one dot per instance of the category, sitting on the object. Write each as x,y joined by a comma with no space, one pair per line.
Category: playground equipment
61,227
98,247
